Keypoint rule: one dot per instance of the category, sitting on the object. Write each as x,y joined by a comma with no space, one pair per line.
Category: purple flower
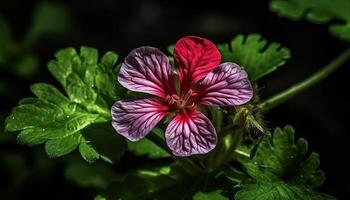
146,69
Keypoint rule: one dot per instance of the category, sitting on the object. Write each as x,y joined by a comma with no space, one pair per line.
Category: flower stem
305,84
232,142
188,164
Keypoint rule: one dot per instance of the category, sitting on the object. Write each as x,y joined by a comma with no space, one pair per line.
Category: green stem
233,141
307,83
188,164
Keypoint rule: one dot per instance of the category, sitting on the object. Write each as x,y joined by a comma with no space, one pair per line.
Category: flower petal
194,58
134,119
189,133
226,85
146,69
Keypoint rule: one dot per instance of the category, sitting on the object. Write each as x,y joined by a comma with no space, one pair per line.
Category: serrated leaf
281,191
216,195
254,55
279,169
278,156
42,21
318,11
60,147
49,93
147,147
55,119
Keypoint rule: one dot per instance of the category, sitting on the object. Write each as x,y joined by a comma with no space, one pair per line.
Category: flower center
182,102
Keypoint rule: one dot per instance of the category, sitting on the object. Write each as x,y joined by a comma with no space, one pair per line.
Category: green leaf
48,18
318,11
279,190
88,152
64,122
5,39
97,175
60,147
147,147
254,55
281,168
216,195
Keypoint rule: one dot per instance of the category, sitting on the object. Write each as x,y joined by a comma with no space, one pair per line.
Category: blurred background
31,31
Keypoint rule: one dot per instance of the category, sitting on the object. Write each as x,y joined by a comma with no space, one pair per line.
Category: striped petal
134,119
226,85
189,133
194,58
146,69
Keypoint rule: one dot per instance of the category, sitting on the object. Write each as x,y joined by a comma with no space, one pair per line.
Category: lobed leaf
63,122
281,169
335,12
254,55
281,191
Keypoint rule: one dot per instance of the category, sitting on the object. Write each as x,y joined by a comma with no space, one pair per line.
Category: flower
146,69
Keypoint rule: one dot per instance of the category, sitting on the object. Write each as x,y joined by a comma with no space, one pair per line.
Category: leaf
147,147
48,18
254,55
335,12
216,195
62,122
281,191
60,147
88,152
281,169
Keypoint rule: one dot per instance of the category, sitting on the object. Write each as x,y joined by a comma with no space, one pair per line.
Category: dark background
319,114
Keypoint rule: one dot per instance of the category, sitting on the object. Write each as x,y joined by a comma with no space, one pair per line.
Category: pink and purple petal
146,69
194,58
226,85
189,133
134,119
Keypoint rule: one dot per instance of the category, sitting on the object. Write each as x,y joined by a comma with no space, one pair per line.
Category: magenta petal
146,69
134,119
194,58
189,133
226,85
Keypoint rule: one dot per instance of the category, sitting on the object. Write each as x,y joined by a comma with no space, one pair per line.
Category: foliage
62,122
254,55
281,169
335,12
76,116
